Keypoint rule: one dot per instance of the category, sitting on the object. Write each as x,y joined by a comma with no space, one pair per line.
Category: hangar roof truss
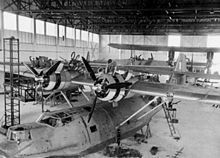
126,16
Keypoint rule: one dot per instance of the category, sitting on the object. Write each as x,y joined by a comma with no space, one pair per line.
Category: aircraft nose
3,154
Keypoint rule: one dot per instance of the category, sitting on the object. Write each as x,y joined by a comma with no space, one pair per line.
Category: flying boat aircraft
51,80
171,52
56,79
111,85
67,133
139,61
186,71
126,108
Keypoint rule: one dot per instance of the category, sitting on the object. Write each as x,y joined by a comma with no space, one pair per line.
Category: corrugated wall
50,46
54,48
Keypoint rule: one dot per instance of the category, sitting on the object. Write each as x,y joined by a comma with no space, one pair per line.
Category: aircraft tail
181,64
178,77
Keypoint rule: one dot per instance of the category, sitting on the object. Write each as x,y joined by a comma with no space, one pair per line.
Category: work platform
14,88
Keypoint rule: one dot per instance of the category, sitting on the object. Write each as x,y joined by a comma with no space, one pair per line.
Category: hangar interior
63,26
56,28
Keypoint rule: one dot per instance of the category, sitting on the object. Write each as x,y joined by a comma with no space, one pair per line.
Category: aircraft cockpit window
66,120
19,135
51,121
58,119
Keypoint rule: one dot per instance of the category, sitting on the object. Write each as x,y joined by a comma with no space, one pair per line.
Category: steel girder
125,16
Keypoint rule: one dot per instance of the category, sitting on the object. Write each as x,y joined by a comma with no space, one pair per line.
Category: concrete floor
198,126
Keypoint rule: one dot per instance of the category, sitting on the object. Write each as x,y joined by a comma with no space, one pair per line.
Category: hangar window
9,21
84,35
40,27
25,24
70,32
93,128
95,38
90,37
61,31
174,40
77,34
51,29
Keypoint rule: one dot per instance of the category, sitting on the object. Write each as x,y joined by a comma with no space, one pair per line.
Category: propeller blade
52,69
93,107
89,69
118,85
31,69
41,73
152,57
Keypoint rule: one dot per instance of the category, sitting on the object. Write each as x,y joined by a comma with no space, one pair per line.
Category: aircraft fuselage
67,132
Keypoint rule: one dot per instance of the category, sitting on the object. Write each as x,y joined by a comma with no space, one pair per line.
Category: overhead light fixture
169,4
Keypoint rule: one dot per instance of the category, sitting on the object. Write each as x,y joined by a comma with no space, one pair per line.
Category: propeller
110,86
100,86
41,77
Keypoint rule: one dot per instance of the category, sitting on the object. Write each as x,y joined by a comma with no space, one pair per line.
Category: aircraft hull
79,137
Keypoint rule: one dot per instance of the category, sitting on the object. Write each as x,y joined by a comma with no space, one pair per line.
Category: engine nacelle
108,94
59,81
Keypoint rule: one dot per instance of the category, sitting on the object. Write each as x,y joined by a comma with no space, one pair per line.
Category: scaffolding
11,83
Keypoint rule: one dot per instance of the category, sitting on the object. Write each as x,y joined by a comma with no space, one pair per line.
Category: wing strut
137,112
161,104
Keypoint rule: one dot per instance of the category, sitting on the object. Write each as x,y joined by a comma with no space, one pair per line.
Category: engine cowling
108,94
58,81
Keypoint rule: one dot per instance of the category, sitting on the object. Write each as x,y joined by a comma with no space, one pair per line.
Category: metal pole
150,111
42,95
67,100
4,82
1,28
11,80
121,124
